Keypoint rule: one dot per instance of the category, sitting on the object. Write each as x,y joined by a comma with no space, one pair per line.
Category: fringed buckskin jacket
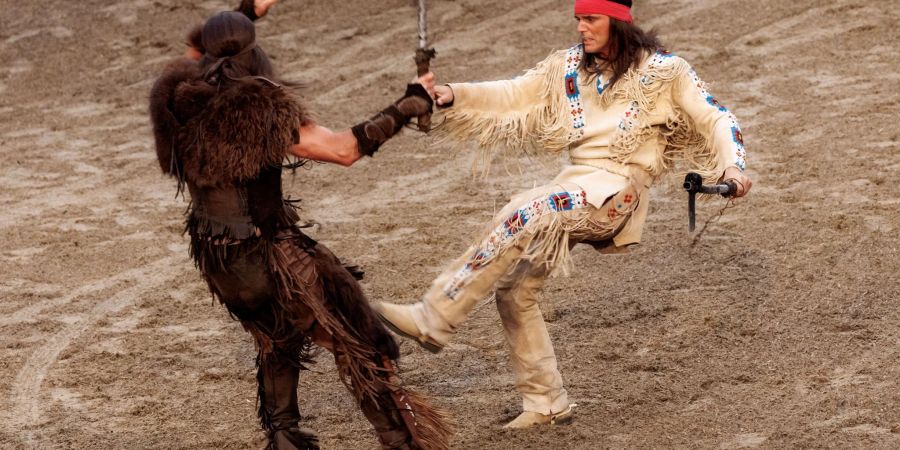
653,116
227,143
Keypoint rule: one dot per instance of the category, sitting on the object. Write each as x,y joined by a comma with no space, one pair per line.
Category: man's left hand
740,179
261,7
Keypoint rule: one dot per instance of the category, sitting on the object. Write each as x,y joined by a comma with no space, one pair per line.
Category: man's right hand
427,81
443,95
740,179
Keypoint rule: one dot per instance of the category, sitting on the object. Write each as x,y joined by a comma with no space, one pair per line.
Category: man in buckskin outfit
623,110
223,126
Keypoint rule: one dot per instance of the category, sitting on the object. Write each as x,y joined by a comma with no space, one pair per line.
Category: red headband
604,7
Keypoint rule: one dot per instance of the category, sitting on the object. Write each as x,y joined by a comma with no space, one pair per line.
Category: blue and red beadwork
737,136
561,201
505,233
712,101
574,56
515,223
572,85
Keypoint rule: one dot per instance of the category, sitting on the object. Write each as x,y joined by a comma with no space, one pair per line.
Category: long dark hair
229,42
628,44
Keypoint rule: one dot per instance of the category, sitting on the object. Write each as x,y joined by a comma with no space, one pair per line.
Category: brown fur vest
212,135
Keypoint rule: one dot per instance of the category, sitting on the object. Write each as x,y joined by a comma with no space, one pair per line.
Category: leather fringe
360,341
546,123
430,427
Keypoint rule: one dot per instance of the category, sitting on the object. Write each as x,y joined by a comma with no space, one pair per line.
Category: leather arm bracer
372,133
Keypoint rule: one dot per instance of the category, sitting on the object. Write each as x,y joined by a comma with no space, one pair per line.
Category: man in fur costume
223,127
623,110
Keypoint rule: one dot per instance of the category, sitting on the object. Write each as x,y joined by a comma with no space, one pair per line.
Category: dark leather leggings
247,290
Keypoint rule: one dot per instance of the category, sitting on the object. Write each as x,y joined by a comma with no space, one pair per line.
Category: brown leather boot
278,410
291,439
388,424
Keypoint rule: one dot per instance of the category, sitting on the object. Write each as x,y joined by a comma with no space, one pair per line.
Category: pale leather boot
400,320
530,419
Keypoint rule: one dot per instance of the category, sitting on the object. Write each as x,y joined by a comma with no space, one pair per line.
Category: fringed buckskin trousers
529,239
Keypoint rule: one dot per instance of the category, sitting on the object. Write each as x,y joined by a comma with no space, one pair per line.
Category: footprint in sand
18,67
746,440
71,400
22,254
22,178
126,12
849,422
867,428
879,224
842,378
57,32
86,109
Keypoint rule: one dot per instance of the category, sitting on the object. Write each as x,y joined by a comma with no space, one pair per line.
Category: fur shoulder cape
217,135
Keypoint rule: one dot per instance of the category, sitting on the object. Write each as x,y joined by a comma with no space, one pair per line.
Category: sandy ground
779,329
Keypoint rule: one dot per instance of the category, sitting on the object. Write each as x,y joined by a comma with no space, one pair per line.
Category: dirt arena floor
779,329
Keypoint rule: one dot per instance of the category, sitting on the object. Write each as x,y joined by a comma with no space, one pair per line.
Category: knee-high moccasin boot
388,424
278,409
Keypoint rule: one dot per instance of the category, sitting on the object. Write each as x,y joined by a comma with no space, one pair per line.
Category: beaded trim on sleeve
573,59
736,135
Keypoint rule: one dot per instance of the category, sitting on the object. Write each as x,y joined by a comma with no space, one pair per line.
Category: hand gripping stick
693,184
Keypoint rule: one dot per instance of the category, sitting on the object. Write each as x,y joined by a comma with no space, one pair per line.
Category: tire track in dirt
30,313
76,178
24,413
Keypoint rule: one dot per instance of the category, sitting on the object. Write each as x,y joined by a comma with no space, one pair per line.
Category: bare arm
319,143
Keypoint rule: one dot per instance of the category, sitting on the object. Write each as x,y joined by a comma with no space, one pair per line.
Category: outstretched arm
509,114
493,97
319,143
